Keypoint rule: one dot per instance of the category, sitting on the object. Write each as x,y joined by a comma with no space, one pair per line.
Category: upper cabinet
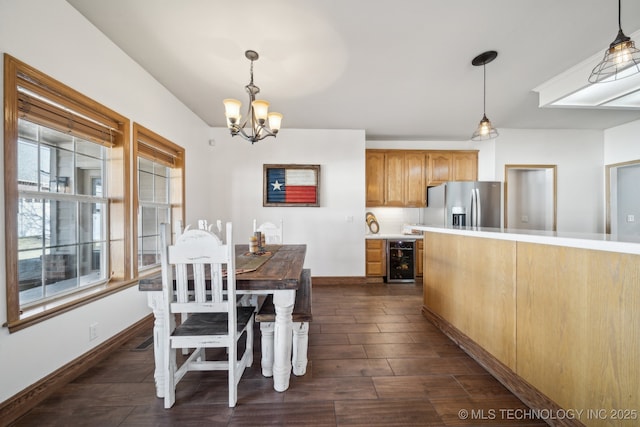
396,179
415,174
375,178
439,167
400,177
465,166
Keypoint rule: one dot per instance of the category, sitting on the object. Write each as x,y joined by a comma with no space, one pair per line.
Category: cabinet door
375,257
394,189
465,166
440,165
375,178
415,180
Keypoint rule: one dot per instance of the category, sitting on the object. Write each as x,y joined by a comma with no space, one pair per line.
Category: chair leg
169,378
300,344
266,331
233,366
249,346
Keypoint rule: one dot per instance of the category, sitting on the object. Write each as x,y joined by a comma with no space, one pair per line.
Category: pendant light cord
484,92
619,15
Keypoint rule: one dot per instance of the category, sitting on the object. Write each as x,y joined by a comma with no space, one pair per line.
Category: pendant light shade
621,59
485,129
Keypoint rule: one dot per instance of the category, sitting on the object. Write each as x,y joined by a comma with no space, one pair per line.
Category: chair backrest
193,274
272,233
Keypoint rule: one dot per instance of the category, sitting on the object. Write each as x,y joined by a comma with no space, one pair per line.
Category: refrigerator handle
478,208
472,213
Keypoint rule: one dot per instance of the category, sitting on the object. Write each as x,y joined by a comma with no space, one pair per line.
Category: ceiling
399,69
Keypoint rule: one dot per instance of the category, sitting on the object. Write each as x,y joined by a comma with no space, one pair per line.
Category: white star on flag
276,186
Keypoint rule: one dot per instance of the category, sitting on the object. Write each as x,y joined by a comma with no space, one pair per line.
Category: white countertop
595,241
393,236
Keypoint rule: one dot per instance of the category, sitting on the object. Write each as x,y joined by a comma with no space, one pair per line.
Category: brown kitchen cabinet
415,163
439,167
399,178
464,166
376,257
375,178
446,166
396,178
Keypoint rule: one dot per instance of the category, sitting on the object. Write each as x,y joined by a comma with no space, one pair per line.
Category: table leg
266,339
300,344
283,301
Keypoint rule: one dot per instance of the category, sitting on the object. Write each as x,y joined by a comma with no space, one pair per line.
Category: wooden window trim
17,73
152,146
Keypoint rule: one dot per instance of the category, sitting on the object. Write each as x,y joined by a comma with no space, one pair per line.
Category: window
61,214
158,192
66,177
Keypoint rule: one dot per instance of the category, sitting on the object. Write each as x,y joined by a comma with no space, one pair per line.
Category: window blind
43,105
157,150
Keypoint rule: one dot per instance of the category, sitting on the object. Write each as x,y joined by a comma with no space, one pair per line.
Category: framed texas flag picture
291,185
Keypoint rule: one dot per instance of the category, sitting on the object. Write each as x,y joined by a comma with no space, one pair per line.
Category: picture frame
291,185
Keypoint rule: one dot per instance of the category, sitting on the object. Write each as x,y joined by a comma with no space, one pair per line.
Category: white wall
622,143
578,156
333,232
64,45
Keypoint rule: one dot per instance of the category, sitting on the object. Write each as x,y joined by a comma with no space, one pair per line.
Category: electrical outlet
349,218
631,218
525,218
93,331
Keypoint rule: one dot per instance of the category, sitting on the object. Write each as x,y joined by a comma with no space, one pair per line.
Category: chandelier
261,123
621,59
485,129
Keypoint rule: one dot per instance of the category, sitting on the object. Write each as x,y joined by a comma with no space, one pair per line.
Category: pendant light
485,129
621,59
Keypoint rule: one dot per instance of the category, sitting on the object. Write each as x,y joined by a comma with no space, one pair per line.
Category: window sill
46,311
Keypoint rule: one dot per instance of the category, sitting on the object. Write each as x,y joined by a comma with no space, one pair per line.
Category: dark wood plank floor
373,360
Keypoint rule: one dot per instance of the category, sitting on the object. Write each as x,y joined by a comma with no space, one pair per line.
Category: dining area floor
373,360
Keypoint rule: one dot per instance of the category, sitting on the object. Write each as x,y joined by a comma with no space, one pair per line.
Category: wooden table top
281,271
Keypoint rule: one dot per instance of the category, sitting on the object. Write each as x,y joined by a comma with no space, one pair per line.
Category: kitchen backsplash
391,220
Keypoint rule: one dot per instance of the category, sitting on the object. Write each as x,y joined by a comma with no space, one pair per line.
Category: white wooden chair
272,233
214,320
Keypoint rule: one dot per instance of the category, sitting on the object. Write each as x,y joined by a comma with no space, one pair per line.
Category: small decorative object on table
256,244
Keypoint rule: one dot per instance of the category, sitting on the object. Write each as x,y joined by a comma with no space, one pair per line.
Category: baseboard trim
19,404
339,280
529,395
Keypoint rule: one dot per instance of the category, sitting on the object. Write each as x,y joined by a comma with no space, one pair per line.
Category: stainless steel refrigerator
464,204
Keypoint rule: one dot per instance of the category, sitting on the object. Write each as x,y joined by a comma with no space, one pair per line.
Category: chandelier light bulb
622,53
232,110
275,120
261,110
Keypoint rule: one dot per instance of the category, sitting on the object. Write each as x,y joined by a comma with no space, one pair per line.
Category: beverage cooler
401,261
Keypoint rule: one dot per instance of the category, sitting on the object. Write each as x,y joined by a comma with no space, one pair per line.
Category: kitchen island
554,316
